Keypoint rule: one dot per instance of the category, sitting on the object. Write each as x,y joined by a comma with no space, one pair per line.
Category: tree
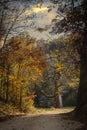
74,21
19,52
24,63
61,71
11,15
82,92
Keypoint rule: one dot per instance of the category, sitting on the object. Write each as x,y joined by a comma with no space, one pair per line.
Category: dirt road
49,120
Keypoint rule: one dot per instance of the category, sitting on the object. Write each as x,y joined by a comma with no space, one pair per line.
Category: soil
45,120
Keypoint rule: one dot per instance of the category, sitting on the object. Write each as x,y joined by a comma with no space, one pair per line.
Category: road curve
43,121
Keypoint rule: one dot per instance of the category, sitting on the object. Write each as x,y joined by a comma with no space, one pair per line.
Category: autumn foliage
21,64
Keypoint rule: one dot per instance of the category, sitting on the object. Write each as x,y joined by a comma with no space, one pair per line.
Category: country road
48,120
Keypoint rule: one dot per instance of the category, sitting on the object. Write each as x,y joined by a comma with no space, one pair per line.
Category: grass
7,111
58,110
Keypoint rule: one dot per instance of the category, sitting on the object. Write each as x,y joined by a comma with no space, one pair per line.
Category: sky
37,21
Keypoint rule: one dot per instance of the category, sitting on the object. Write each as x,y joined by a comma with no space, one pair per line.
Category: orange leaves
14,43
24,64
2,70
31,95
22,41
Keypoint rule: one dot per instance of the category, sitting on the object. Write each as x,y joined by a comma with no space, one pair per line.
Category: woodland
38,72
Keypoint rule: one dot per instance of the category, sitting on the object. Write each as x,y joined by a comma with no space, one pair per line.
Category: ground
43,120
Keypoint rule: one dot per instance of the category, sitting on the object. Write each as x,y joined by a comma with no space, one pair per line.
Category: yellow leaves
59,67
31,63
1,43
31,46
74,83
15,41
24,64
34,74
11,77
36,70
22,42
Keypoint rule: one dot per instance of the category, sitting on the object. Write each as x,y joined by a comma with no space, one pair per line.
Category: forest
43,58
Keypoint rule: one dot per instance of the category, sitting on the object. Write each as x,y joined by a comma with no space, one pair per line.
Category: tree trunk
82,91
72,2
21,90
7,83
57,101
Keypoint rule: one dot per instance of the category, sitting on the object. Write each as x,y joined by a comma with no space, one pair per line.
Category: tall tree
75,21
82,92
24,63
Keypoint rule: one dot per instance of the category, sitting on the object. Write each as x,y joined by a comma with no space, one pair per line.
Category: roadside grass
56,110
8,110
